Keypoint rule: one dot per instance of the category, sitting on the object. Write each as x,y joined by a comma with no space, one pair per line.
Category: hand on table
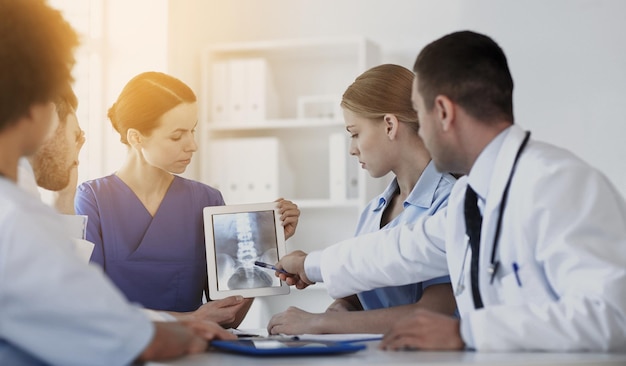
425,330
209,330
294,321
176,339
228,312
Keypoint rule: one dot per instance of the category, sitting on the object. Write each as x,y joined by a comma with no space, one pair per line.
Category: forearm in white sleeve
398,256
312,266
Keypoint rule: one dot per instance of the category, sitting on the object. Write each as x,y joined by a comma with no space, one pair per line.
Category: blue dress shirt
428,196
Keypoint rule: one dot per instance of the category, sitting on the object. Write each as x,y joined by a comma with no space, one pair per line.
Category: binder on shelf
220,90
243,91
237,90
249,170
261,100
343,169
216,173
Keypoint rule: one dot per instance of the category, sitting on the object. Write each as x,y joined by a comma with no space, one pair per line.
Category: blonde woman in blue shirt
384,137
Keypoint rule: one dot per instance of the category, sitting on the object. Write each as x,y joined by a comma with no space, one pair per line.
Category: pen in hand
267,265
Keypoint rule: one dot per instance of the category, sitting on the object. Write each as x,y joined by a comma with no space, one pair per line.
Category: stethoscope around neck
492,270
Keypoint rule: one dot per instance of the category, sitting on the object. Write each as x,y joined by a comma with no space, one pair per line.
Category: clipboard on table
277,347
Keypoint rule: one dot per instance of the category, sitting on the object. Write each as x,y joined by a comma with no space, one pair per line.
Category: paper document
77,228
349,337
76,225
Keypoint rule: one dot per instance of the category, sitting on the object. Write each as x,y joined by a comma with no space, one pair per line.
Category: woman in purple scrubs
146,221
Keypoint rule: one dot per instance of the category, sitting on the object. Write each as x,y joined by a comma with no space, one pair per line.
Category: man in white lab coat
549,269
54,167
55,164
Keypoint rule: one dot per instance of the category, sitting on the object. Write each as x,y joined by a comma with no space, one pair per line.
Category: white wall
568,57
136,41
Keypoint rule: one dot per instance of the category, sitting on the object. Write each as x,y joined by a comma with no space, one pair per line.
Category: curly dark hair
36,56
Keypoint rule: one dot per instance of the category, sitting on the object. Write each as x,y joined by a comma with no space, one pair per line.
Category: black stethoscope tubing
493,264
493,267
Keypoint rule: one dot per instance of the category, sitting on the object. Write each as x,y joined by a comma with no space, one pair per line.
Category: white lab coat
564,225
26,180
54,307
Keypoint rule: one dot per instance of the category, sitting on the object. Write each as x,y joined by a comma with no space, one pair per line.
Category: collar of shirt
422,193
482,170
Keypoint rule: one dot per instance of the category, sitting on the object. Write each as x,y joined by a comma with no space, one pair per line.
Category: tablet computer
237,236
273,347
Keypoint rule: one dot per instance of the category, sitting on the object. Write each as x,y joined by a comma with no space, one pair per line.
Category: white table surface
373,356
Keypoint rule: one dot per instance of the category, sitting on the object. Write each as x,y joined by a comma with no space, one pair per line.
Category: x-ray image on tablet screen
241,239
236,237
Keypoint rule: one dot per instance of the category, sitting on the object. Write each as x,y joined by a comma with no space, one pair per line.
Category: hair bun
113,116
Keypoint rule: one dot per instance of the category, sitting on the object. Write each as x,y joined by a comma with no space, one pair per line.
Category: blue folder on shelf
276,347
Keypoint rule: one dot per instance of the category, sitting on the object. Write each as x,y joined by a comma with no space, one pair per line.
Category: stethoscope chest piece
460,285
459,289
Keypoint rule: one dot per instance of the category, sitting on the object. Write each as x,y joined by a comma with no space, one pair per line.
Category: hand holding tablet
237,236
293,264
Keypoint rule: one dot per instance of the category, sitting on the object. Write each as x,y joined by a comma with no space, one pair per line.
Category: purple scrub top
158,262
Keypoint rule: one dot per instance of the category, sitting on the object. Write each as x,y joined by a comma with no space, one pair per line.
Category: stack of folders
248,170
242,91
343,168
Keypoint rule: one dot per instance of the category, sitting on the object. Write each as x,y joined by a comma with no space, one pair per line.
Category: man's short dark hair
36,56
470,69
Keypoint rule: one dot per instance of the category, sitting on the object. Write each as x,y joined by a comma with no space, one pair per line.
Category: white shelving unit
292,72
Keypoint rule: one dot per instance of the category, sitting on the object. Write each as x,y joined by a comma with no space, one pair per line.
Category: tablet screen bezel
210,213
